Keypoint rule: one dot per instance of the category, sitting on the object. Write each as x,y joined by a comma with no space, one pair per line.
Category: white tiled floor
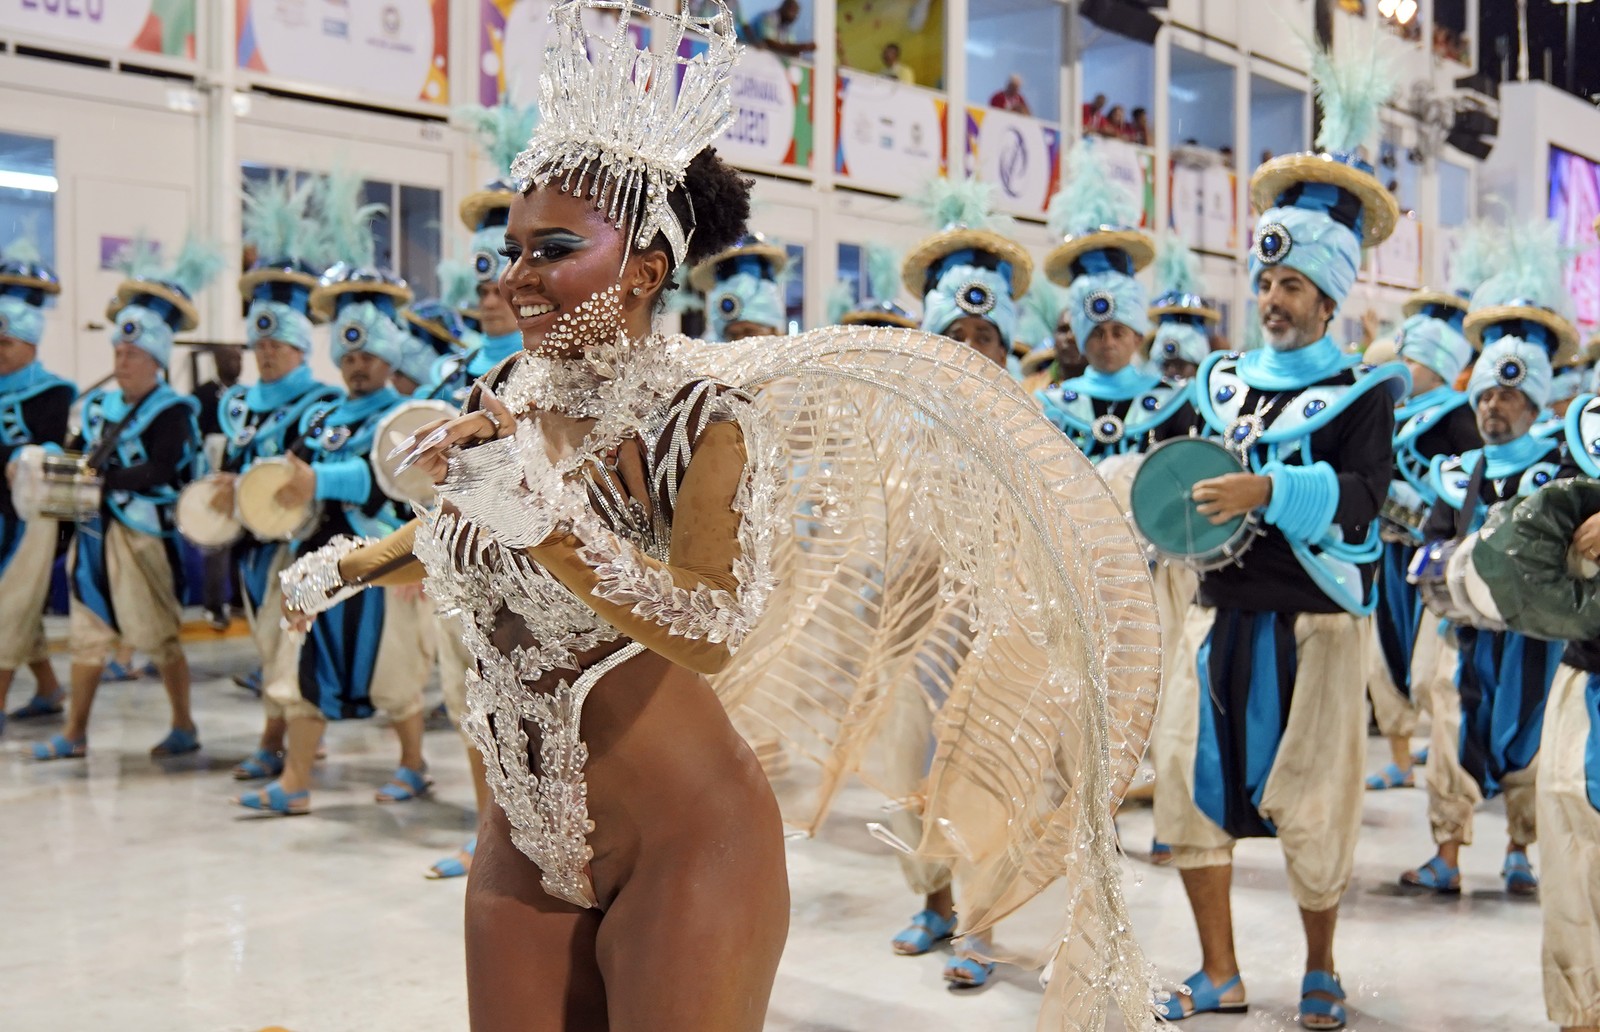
137,898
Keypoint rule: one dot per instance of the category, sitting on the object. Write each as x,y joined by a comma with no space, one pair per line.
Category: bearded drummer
743,287
1434,420
143,439
34,406
1261,733
263,420
1117,405
1486,721
370,652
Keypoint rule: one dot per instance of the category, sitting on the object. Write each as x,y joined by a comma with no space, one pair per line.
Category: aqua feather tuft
458,283
277,219
198,263
1177,269
346,222
1039,312
680,297
1352,81
841,301
22,249
502,130
1091,197
139,258
950,203
883,272
1475,255
1532,268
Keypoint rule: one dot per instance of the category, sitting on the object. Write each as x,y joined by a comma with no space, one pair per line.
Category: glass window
1455,194
851,258
1014,57
902,39
794,287
1277,119
1119,76
1201,103
781,26
28,193
383,226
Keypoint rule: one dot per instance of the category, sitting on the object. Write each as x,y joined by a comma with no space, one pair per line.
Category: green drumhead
1162,508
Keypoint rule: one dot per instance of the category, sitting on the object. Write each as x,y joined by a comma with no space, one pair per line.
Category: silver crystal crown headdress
620,124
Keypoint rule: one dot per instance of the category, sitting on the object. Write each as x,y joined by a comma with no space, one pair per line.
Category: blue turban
1513,362
363,326
21,320
488,264
745,297
964,290
277,320
1436,344
1311,243
146,329
1180,341
1104,297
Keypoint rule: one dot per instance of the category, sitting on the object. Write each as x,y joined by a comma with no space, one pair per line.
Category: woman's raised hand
430,447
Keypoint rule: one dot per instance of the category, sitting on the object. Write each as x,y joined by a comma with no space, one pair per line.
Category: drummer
1281,636
744,290
1184,322
263,421
877,305
1486,723
434,332
143,438
34,405
370,652
1117,405
1435,419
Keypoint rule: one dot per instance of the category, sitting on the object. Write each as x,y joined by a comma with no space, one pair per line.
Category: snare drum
54,486
255,496
414,487
199,521
1164,509
1450,587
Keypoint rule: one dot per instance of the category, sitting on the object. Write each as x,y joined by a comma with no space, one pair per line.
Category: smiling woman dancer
613,523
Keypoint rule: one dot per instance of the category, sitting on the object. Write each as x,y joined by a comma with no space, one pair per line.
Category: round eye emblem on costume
1594,446
1100,306
976,299
729,306
1108,429
1541,478
1069,395
484,264
266,324
354,335
1511,372
1273,244
1224,394
1314,406
1150,403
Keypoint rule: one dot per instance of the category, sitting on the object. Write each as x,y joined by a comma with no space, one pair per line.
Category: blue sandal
1160,853
1204,998
407,784
1419,758
1519,876
968,972
1391,777
177,743
40,706
60,747
1436,875
115,672
274,800
452,867
261,764
926,929
1332,1010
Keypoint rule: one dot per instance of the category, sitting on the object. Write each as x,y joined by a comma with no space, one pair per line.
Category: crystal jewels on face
1273,244
976,299
1100,306
1511,372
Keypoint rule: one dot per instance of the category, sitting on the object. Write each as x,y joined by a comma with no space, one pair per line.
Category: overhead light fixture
1402,11
27,181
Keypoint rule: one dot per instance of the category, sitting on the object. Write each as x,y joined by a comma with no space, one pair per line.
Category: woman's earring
638,291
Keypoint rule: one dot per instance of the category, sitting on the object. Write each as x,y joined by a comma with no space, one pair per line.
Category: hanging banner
1398,260
771,112
891,137
396,51
511,46
1020,155
147,26
1135,168
1203,202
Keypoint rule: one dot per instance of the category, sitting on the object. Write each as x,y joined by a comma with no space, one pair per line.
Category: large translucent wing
944,538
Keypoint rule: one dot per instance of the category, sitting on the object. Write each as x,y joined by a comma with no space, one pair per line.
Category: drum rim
230,518
1239,538
300,530
386,480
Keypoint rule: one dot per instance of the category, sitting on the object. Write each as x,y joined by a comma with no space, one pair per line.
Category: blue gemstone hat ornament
1096,217
1273,243
1100,306
877,307
976,299
728,306
968,233
354,274
1352,82
754,254
1527,298
502,132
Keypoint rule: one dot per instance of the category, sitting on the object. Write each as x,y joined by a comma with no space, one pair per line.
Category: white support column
220,189
824,76
955,84
1161,120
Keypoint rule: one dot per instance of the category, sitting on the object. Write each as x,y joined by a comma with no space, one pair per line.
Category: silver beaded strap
313,583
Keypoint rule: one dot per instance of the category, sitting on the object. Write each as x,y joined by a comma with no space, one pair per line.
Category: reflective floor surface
138,898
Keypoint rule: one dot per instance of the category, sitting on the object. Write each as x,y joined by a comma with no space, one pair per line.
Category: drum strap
108,441
1469,504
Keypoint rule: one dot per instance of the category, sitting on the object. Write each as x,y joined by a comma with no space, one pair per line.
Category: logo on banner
1013,164
391,20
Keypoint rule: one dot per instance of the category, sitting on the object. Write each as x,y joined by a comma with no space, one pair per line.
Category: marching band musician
34,406
1260,734
744,290
1181,337
1116,405
369,652
1435,419
143,439
1486,722
262,421
434,333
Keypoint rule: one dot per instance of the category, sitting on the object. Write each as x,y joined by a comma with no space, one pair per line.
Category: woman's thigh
530,957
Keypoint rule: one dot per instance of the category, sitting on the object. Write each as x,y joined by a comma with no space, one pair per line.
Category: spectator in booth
1115,122
1227,155
1139,128
1010,97
1093,113
774,30
893,68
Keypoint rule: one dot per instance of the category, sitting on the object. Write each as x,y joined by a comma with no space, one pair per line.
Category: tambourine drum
1119,471
1450,587
413,487
1537,584
199,522
258,507
54,486
1165,512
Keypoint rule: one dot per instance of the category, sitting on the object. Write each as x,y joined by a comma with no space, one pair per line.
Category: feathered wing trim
1177,268
502,130
841,300
346,222
197,264
277,218
1352,81
1091,197
937,536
